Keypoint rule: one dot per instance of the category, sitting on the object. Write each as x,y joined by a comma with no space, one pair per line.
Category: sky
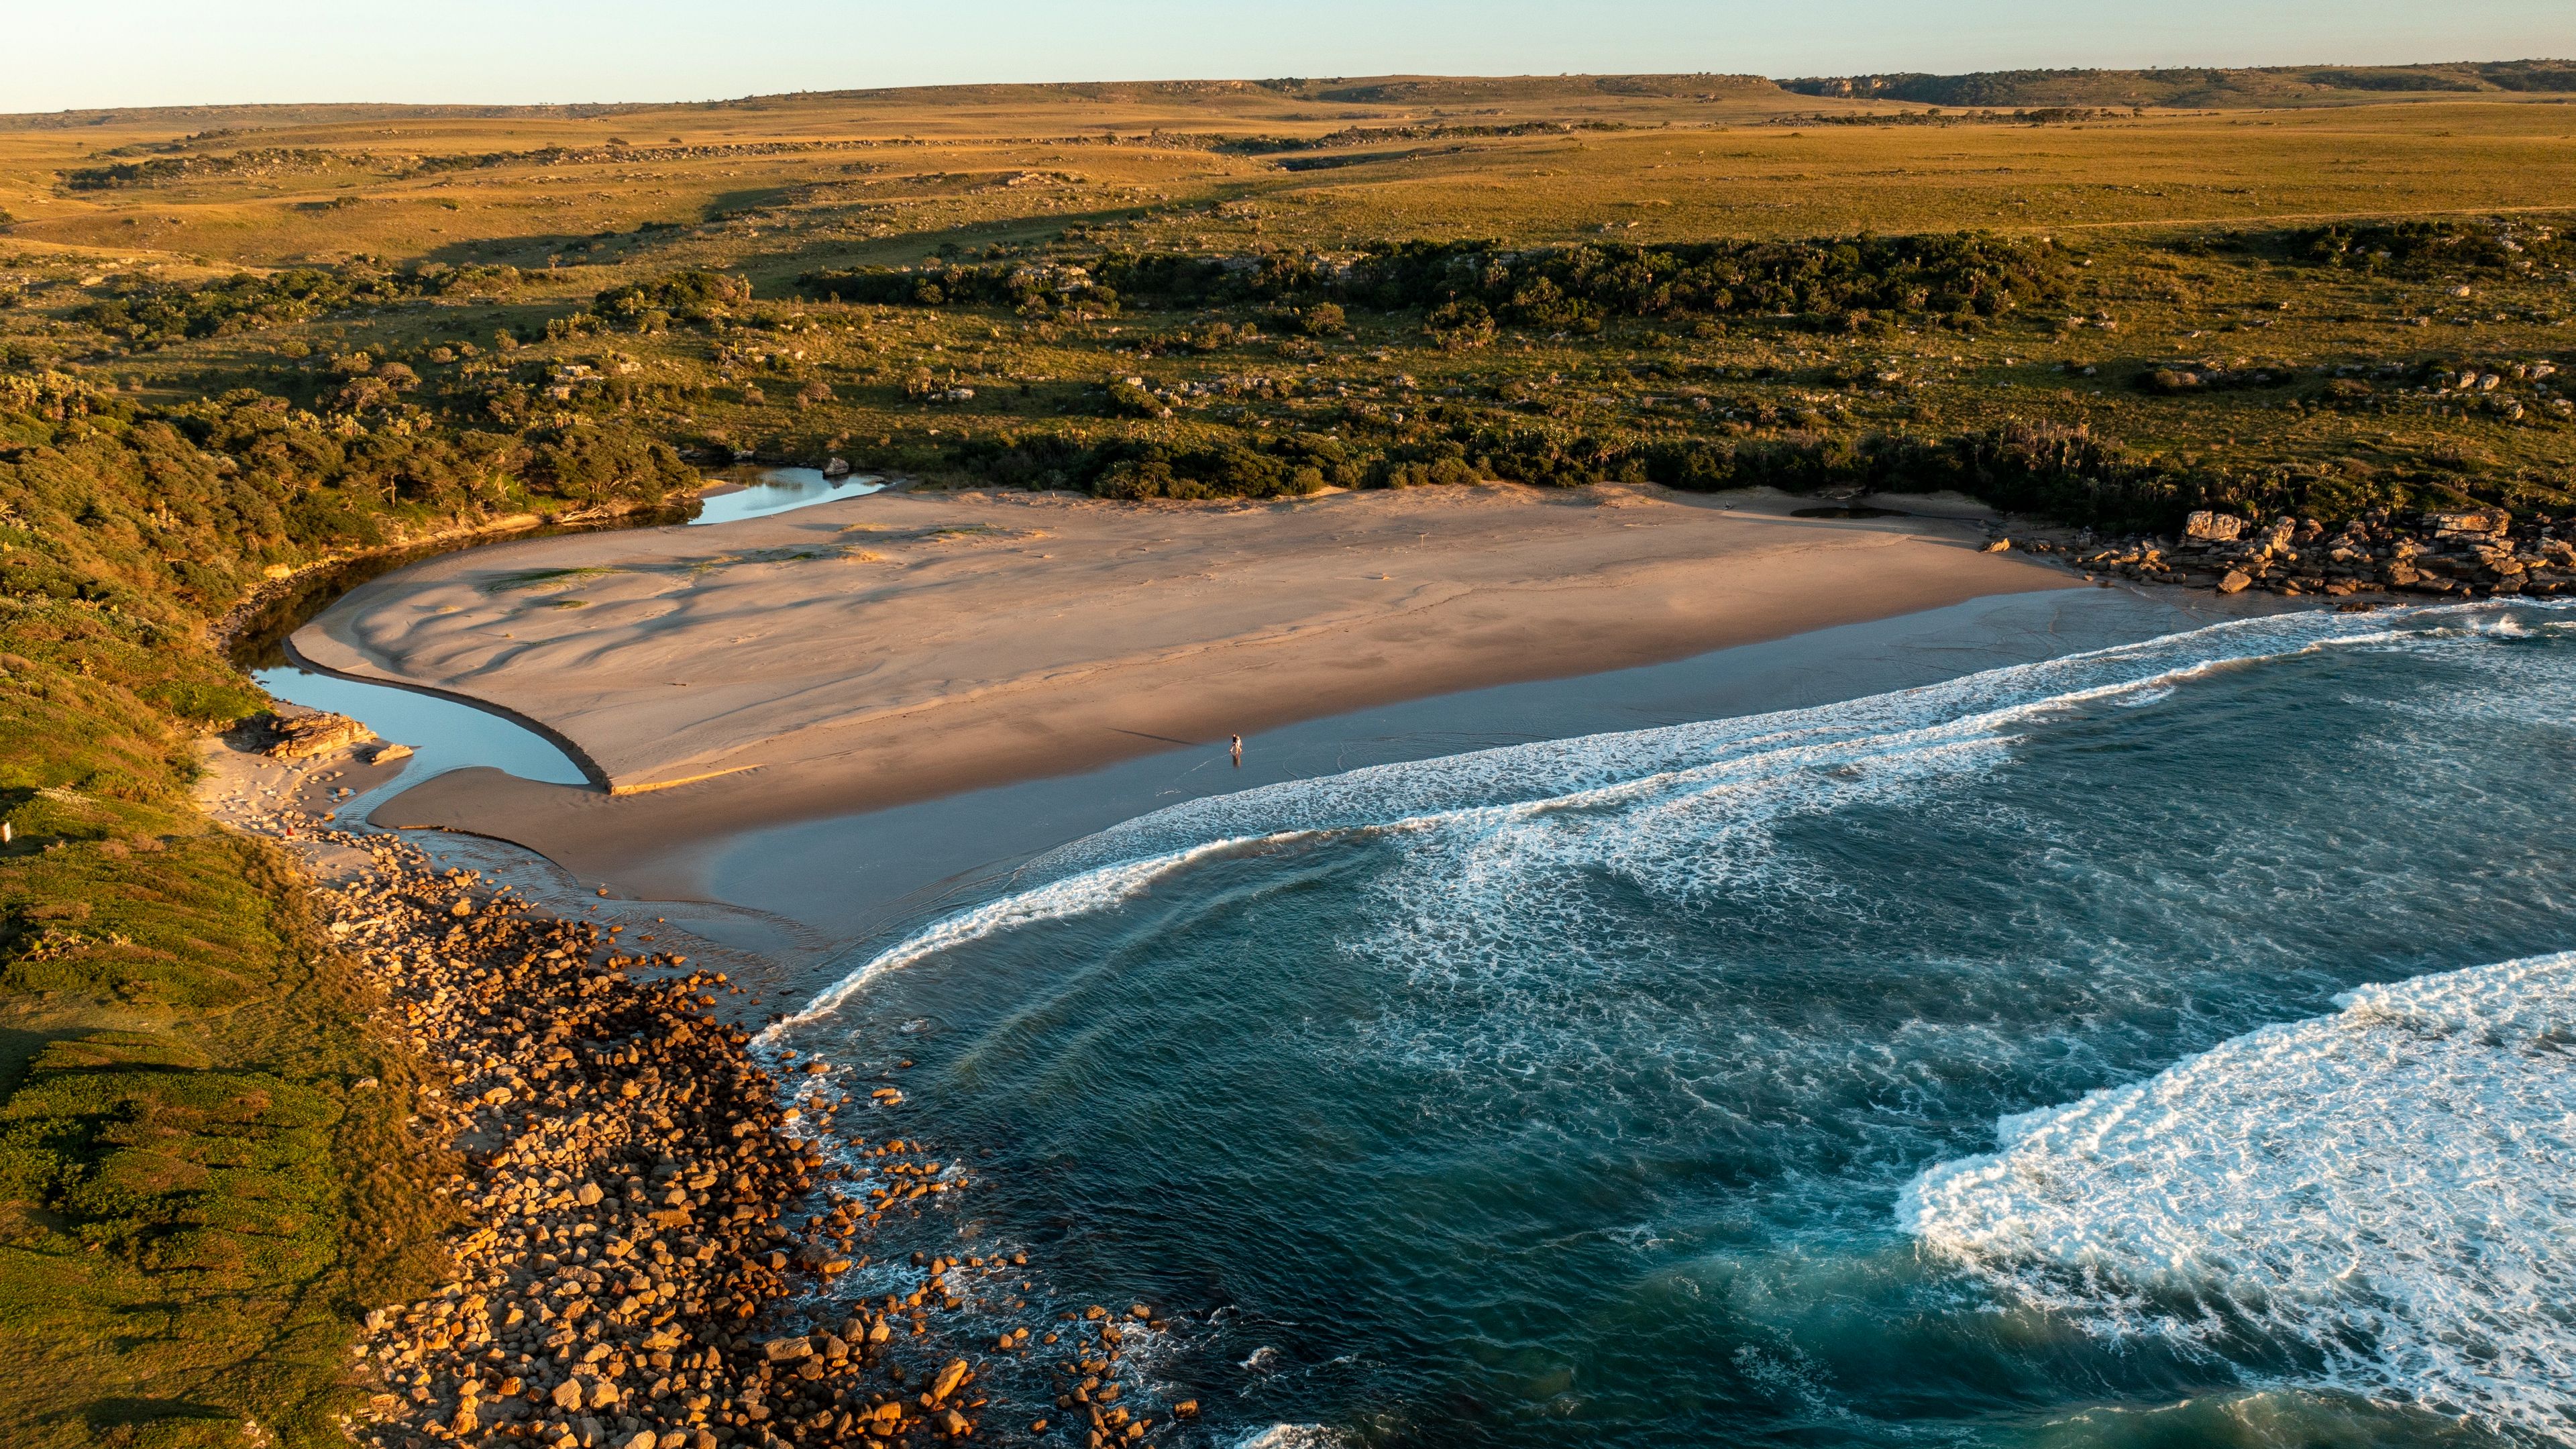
98,53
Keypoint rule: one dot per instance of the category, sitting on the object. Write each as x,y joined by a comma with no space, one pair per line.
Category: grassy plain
2177,225
201,1199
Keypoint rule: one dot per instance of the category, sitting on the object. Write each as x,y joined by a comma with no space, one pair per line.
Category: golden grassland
882,182
776,188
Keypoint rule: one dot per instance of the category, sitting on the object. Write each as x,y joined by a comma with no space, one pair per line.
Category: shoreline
923,676
868,876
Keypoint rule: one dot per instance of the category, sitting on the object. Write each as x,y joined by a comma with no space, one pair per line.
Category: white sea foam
1575,772
1292,1436
1076,895
2384,1196
1685,779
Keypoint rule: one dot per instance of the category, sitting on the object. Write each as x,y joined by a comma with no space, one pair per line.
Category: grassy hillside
205,1176
244,340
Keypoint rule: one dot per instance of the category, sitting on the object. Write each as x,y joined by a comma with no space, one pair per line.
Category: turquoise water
2109,1051
781,490
444,734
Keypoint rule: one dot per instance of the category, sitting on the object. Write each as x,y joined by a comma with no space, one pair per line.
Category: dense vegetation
203,1170
149,313
1843,281
2419,249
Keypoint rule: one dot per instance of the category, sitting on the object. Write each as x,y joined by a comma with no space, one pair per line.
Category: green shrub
695,295
2428,248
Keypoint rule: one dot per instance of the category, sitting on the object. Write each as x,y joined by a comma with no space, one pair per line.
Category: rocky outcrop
658,1244
295,733
2459,553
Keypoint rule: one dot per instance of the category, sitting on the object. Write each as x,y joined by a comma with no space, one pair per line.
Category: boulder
787,1350
949,1378
2235,582
296,736
2469,523
2210,527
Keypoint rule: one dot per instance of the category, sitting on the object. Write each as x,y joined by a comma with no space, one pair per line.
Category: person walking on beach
1235,743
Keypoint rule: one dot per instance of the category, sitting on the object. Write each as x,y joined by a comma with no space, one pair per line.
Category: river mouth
1491,1097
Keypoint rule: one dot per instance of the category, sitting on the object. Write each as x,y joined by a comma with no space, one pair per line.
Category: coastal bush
1031,289
201,1122
2061,471
696,295
1963,275
153,313
1125,399
595,464
1459,326
1223,471
2427,248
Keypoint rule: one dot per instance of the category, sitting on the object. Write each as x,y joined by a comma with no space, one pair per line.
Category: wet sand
868,877
904,647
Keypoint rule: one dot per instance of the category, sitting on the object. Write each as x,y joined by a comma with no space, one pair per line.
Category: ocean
2164,1044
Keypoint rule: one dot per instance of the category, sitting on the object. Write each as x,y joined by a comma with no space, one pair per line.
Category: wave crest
2379,1197
1690,765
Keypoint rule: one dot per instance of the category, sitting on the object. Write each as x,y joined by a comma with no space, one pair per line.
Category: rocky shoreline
2453,554
660,1241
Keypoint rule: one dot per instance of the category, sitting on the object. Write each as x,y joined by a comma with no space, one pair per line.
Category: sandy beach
906,646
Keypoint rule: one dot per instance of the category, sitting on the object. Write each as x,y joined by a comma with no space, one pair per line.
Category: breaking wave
1683,772
2382,1199
1076,895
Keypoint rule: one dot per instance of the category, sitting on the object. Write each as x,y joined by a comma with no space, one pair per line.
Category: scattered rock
648,1226
2212,527
949,1378
2472,522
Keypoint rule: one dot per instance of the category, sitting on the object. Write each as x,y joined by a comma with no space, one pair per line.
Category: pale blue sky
82,53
